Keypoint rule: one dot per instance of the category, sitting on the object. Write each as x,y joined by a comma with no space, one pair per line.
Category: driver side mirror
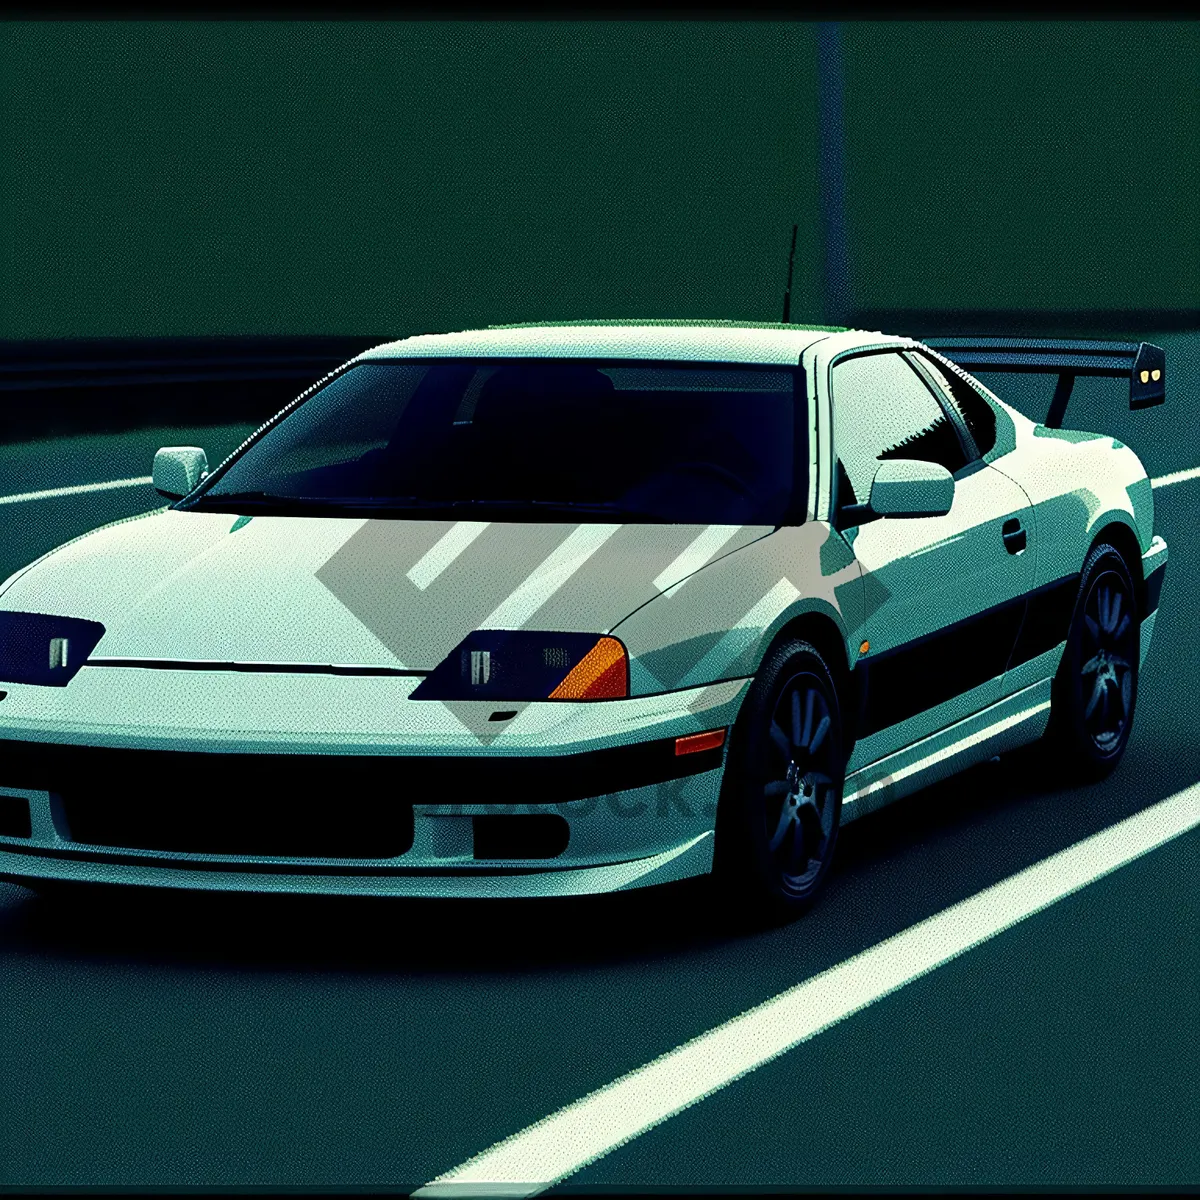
907,487
178,469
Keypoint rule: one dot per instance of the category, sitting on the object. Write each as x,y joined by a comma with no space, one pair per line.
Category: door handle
1013,535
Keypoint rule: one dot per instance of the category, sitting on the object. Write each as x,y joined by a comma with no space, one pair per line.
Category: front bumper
692,857
391,823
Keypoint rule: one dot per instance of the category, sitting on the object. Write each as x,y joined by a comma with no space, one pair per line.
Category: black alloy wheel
1109,648
1095,690
800,795
781,803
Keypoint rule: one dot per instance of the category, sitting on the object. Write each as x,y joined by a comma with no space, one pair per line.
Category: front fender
718,623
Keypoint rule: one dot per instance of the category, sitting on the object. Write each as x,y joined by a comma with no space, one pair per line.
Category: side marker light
695,742
864,647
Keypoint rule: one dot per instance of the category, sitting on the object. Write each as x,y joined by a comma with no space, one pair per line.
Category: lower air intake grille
283,822
316,805
285,806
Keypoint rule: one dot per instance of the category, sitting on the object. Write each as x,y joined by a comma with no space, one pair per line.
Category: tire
781,799
1094,693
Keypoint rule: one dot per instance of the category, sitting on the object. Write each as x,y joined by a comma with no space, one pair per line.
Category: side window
882,409
976,412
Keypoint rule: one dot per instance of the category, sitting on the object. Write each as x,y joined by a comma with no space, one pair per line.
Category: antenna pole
787,293
831,172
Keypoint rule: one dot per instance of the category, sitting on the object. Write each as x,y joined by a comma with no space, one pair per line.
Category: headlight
36,648
499,664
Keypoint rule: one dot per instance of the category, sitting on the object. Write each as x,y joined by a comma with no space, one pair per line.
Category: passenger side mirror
906,487
178,469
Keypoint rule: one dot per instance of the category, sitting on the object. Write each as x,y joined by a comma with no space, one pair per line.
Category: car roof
694,340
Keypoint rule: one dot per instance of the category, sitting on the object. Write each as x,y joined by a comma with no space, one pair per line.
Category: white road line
570,1139
1176,477
76,490
444,551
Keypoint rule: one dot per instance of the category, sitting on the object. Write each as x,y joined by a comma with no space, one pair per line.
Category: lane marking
444,551
1176,477
583,1132
76,490
697,553
557,568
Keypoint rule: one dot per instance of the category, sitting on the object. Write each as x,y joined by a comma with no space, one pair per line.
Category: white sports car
573,608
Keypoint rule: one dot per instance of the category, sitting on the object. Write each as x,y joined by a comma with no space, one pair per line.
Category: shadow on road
361,933
894,867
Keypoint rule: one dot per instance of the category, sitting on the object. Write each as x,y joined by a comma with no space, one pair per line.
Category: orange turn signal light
601,674
695,742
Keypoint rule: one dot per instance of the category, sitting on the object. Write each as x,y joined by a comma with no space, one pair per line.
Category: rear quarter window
976,412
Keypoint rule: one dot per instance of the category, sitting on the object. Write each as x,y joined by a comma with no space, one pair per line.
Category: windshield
529,440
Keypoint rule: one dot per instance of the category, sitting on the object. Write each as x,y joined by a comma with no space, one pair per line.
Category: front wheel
1095,690
782,797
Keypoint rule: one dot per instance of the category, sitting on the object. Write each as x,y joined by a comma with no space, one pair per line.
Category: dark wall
59,386
164,179
297,178
1025,166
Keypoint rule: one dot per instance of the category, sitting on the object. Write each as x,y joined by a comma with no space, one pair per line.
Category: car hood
212,587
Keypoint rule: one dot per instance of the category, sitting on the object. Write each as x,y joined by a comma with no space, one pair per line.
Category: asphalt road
278,1042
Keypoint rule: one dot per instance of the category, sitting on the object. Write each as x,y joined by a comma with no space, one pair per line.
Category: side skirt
1014,721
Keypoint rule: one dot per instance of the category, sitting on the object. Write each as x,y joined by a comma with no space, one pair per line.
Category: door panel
946,597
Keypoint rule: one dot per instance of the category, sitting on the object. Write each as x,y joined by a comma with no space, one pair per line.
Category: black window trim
185,502
947,405
952,368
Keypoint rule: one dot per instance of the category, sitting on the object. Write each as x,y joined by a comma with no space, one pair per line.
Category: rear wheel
1095,690
782,797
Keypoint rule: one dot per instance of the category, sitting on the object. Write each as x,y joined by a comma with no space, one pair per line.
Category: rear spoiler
1144,365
